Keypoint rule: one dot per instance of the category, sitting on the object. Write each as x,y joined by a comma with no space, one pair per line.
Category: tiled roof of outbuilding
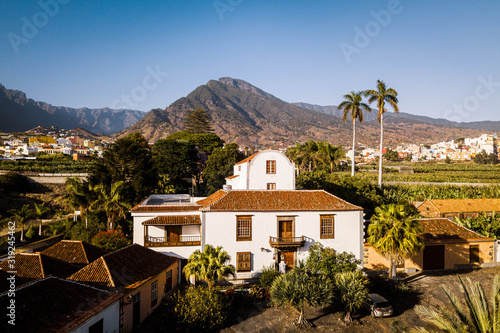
124,269
54,305
275,200
465,205
75,252
444,229
38,266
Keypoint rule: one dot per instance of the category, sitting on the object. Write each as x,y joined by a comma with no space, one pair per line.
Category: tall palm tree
382,95
395,233
109,199
40,212
477,315
210,266
22,216
353,104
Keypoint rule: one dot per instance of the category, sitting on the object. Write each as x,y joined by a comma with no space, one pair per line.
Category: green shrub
202,309
267,277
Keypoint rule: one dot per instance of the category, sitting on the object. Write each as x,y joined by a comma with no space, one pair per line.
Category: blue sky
441,56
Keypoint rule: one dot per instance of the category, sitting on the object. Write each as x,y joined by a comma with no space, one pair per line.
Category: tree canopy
220,165
198,121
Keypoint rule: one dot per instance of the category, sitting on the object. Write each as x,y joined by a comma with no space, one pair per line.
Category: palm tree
22,216
315,155
40,212
300,288
395,233
109,199
210,266
478,316
382,95
353,105
352,290
78,194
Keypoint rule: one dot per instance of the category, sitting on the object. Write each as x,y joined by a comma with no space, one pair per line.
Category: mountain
249,116
332,110
19,113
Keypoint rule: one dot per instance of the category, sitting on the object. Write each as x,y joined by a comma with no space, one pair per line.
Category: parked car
379,306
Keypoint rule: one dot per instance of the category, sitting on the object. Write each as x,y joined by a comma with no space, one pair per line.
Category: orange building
461,208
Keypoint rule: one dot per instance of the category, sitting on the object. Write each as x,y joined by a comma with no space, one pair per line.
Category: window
243,228
271,186
243,261
98,327
239,167
168,283
154,293
327,227
271,166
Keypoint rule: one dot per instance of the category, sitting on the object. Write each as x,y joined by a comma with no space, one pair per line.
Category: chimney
227,187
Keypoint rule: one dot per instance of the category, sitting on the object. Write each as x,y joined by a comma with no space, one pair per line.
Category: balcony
150,241
286,241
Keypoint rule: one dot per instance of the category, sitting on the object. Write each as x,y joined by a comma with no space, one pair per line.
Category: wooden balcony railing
150,241
286,241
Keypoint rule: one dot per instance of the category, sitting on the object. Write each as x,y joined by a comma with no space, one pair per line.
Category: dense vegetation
58,163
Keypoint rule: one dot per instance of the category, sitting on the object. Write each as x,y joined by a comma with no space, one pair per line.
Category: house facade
448,245
141,276
258,224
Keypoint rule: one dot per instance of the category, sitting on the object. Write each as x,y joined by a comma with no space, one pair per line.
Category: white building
266,170
257,227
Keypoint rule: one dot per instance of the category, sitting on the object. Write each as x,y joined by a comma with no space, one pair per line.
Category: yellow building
448,245
46,140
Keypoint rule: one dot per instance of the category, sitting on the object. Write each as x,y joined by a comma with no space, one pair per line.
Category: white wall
284,176
111,322
220,229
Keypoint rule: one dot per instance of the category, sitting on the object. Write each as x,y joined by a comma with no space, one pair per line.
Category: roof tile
173,220
444,229
75,252
38,266
465,205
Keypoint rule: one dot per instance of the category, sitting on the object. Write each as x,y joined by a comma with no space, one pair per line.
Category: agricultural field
439,173
47,165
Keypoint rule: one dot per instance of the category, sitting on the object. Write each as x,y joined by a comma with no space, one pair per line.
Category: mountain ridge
249,116
20,113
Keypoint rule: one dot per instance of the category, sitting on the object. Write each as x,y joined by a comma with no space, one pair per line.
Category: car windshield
383,305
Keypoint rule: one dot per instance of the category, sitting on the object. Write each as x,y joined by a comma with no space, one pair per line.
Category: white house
256,226
265,170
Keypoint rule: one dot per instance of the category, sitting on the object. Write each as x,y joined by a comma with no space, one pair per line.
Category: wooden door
173,232
168,283
434,257
474,254
288,257
285,229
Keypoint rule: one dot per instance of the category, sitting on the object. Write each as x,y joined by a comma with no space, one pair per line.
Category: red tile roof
232,177
38,266
464,205
248,159
440,229
75,252
124,269
54,305
173,220
276,200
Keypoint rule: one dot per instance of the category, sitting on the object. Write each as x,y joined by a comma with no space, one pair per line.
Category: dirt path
425,290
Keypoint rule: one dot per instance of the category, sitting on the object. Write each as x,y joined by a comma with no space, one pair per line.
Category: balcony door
173,232
285,229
